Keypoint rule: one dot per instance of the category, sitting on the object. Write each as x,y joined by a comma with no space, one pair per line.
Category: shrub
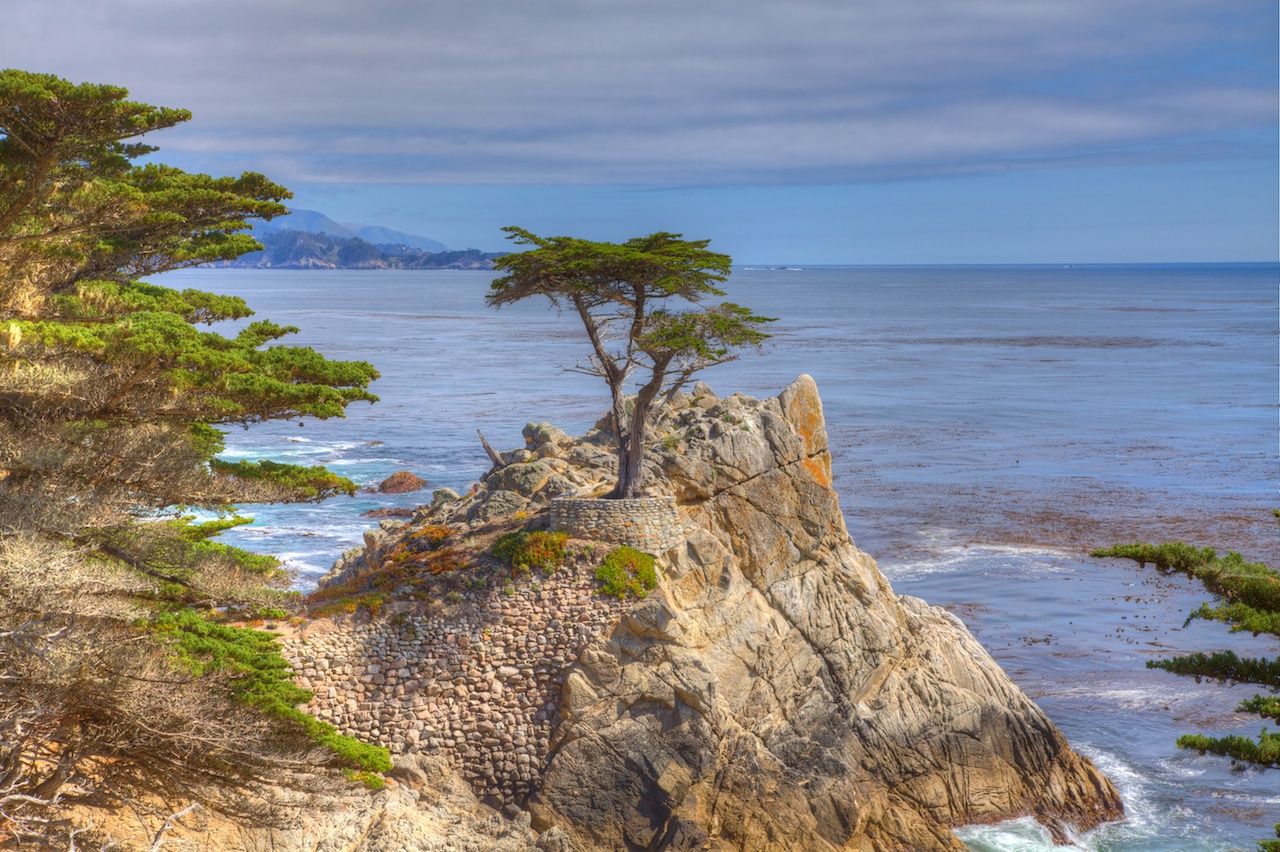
260,677
1247,599
432,534
527,550
627,572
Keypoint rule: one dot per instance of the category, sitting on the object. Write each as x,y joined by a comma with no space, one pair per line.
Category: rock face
773,692
779,695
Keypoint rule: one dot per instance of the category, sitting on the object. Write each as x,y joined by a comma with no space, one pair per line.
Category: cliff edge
771,693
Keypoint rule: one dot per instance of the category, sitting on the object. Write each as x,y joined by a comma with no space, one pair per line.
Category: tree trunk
630,468
631,445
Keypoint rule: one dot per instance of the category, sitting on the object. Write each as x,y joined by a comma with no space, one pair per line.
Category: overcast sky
829,131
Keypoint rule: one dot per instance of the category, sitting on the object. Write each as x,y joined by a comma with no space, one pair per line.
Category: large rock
776,694
773,692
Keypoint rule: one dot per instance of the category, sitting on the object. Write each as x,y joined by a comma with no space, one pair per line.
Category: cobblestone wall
651,524
478,682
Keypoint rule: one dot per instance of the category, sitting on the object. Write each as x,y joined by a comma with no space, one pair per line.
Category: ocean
989,426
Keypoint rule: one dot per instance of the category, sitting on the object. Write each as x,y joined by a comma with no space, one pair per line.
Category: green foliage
1239,616
111,399
1223,667
1252,588
621,292
310,484
525,551
369,779
1248,599
1266,706
1264,752
259,676
627,572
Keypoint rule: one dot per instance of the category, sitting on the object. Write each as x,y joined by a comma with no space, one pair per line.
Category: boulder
401,482
495,505
443,495
537,434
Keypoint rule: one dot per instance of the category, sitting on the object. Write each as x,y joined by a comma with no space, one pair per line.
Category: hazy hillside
308,239
315,222
287,249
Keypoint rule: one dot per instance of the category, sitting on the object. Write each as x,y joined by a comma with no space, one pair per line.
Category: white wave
955,558
1019,835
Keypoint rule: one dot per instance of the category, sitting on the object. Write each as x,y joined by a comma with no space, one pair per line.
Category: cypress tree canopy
122,675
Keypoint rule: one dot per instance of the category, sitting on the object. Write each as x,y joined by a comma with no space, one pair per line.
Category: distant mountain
292,249
314,222
308,239
385,236
310,221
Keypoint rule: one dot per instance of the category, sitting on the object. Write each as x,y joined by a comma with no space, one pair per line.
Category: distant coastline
308,239
289,249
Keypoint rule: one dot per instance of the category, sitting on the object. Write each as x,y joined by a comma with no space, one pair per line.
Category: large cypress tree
121,677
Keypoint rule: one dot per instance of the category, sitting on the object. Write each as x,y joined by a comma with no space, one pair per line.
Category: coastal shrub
258,676
1247,598
431,534
446,560
345,602
1249,591
627,572
525,551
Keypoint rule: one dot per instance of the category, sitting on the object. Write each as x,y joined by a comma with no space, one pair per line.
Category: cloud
666,92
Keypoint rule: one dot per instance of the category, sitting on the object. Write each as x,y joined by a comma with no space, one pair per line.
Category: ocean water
989,426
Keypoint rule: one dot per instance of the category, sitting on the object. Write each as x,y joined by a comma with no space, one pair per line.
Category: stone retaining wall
477,682
651,524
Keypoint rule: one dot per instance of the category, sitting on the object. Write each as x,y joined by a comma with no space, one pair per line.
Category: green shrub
528,550
260,677
627,572
1247,599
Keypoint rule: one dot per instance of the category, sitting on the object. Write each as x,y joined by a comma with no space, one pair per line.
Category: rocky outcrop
773,692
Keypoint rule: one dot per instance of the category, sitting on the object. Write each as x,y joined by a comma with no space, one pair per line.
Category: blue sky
817,131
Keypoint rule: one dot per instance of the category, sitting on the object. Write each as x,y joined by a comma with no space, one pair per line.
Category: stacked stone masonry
651,524
478,682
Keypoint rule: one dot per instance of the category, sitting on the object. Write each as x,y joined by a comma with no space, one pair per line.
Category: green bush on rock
627,572
525,551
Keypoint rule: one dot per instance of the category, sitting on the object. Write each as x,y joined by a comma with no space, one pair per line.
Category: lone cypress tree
621,292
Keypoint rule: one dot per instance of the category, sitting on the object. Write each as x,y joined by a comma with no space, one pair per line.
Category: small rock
387,512
401,482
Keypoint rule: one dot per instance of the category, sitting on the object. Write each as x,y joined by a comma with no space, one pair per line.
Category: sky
812,131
